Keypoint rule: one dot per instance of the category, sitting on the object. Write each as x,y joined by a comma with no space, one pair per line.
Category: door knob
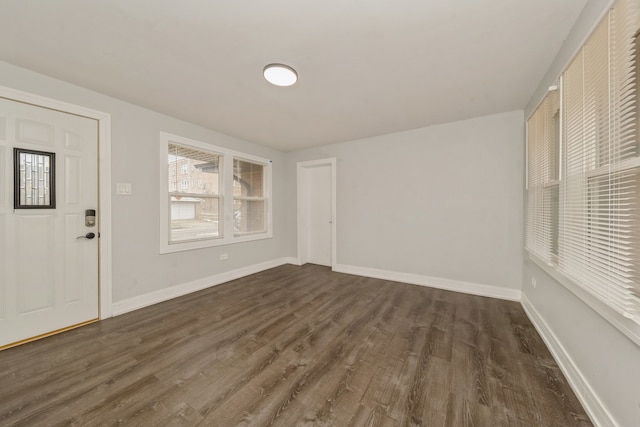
87,236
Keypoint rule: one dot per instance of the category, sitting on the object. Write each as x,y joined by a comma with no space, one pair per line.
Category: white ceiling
366,67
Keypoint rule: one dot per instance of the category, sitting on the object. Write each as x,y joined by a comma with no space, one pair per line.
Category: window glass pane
248,216
193,171
194,218
34,185
248,179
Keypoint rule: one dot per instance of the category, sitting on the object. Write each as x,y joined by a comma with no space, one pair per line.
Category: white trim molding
596,409
433,282
166,294
104,161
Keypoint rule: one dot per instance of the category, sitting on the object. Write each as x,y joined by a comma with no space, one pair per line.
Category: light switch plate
123,189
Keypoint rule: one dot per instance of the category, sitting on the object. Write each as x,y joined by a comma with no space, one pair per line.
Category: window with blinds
583,215
543,136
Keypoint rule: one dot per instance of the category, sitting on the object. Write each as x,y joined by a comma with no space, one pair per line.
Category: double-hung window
211,195
194,213
584,221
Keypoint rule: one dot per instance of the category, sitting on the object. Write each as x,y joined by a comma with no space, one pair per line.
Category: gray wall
138,268
443,201
608,360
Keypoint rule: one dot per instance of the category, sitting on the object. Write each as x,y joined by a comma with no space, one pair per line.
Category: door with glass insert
49,222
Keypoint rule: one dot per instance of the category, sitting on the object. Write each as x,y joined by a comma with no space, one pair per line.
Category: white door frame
104,176
302,208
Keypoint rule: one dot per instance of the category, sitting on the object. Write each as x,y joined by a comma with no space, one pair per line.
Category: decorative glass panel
34,179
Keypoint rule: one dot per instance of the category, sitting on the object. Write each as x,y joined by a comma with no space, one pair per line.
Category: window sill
202,244
628,327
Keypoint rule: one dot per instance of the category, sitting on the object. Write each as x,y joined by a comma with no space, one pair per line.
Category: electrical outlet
533,282
224,257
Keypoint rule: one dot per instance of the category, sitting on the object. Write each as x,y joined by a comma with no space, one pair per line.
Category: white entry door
48,260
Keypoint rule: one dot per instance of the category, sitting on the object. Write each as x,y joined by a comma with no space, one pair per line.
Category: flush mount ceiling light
280,74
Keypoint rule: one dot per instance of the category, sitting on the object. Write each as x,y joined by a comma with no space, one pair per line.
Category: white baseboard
596,409
432,282
161,295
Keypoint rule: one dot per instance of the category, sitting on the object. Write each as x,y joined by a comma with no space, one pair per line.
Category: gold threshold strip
47,334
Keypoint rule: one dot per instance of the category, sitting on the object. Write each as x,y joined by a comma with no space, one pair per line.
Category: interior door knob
87,236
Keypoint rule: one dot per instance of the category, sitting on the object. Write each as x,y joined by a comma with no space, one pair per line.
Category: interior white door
48,272
319,214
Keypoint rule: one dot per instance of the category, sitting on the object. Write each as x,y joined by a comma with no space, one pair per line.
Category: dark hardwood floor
295,346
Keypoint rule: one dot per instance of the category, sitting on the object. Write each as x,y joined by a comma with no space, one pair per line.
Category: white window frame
625,322
226,196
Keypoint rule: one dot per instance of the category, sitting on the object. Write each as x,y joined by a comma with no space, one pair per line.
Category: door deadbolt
90,217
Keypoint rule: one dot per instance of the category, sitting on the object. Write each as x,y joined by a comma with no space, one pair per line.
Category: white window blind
599,226
585,221
543,136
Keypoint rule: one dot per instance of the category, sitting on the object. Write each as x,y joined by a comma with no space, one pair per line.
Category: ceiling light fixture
280,74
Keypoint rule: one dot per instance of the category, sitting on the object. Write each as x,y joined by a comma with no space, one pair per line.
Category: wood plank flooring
295,346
